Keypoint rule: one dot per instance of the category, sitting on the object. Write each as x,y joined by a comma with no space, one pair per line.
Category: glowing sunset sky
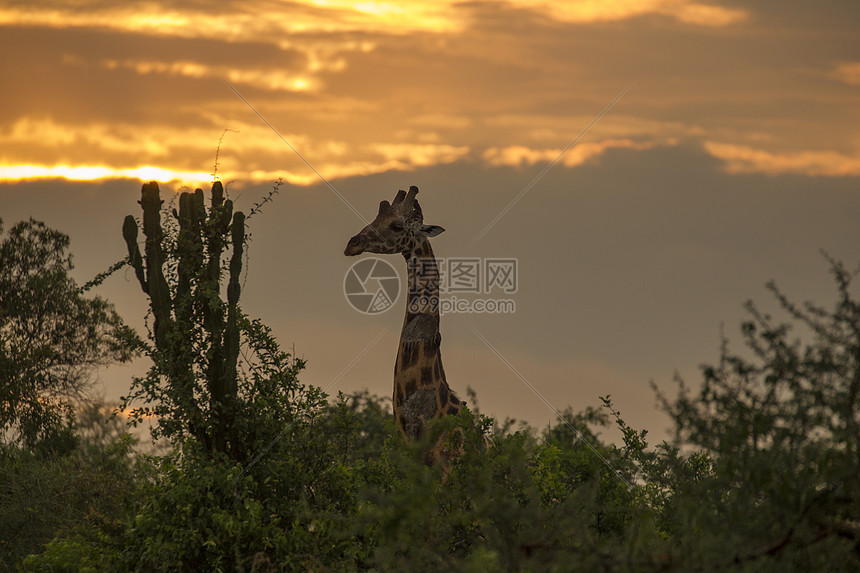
733,159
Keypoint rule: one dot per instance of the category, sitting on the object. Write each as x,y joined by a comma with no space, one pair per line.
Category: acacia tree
52,337
778,425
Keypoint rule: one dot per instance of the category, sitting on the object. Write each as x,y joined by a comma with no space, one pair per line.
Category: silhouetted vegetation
197,389
264,475
52,338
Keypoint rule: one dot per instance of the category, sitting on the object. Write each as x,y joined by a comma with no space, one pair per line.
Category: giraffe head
398,228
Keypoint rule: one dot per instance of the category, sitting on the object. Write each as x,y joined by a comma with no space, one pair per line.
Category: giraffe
421,391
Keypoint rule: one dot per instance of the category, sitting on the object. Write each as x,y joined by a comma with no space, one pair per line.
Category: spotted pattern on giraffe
421,391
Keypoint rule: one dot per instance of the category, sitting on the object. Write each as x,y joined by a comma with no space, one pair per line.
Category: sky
649,165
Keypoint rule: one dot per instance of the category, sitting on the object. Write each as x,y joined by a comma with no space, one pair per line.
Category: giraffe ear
432,230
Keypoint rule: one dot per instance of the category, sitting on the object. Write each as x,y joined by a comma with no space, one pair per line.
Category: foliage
197,387
779,429
51,338
90,486
761,476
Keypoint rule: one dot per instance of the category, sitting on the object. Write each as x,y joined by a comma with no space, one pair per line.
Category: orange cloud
848,73
686,11
517,155
269,21
276,80
247,21
382,157
419,155
442,120
52,138
166,152
743,159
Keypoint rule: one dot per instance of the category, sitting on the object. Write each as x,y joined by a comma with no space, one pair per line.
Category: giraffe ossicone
421,391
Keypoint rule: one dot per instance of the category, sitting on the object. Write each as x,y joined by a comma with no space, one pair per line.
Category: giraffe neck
421,392
423,284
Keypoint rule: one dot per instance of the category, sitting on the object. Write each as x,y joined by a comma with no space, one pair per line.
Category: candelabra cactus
196,333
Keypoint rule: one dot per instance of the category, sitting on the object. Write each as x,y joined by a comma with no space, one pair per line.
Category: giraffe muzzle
355,246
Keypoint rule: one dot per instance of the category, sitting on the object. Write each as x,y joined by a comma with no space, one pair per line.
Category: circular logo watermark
371,285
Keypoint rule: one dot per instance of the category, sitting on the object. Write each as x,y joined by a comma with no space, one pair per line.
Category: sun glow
378,158
256,21
95,172
250,21
685,11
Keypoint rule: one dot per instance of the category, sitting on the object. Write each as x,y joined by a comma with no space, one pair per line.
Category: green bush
762,475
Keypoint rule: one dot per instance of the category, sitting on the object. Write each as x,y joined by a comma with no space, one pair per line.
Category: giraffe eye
396,227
